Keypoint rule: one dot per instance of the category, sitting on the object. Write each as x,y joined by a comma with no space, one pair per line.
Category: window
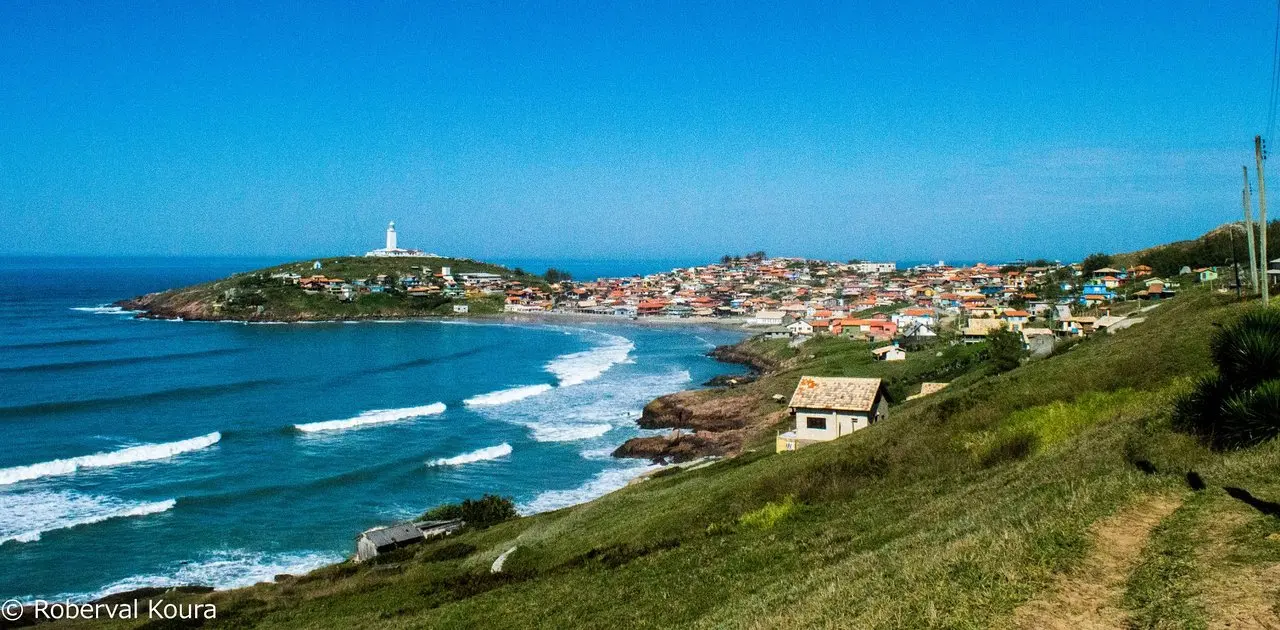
816,422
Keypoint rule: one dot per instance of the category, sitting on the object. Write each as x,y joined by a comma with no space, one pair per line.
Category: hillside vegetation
1054,495
257,296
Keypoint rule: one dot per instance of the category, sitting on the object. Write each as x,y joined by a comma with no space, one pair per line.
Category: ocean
152,453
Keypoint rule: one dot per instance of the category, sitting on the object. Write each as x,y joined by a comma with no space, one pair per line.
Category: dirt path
1087,598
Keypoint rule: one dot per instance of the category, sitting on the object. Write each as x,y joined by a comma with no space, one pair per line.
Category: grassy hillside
1053,495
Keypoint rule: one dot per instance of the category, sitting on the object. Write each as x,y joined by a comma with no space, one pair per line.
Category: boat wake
376,416
481,455
24,517
123,457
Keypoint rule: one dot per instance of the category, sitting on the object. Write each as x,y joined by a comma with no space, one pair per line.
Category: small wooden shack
380,540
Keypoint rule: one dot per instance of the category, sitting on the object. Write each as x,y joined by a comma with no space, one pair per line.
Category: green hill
1053,495
375,288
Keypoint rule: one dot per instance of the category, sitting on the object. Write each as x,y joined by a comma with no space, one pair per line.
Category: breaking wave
122,457
568,432
484,454
103,310
504,396
26,516
580,367
376,416
603,483
221,570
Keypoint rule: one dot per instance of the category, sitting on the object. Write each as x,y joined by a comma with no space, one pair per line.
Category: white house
768,318
889,353
800,327
826,408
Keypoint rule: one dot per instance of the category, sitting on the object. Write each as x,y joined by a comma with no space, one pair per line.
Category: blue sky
846,129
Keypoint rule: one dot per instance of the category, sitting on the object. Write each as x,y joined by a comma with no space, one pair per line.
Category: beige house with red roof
828,407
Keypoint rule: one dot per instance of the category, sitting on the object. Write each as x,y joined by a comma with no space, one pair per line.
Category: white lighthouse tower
393,248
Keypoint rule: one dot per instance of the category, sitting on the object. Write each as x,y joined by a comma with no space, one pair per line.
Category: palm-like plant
1240,405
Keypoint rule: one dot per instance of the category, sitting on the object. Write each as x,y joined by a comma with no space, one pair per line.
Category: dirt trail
1087,598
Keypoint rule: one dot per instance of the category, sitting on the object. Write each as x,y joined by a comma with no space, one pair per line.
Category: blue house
1095,292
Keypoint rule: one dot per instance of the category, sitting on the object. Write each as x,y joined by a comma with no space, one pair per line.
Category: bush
1004,349
488,510
1240,405
769,515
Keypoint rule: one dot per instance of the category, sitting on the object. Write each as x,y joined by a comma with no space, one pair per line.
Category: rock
730,380
697,410
735,354
686,447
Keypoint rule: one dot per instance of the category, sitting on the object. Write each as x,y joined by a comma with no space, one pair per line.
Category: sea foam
103,310
580,367
504,396
484,454
220,569
603,483
376,416
568,432
24,517
123,457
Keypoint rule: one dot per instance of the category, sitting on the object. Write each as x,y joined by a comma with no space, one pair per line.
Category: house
380,540
889,353
800,328
461,308
1076,326
1207,274
768,318
826,408
777,332
1015,319
978,329
1095,292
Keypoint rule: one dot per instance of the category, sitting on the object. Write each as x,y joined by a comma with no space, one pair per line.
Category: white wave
484,454
103,310
598,453
580,367
504,396
131,455
376,416
24,517
221,570
568,432
603,483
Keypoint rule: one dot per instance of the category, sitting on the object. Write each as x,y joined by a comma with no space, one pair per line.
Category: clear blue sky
845,129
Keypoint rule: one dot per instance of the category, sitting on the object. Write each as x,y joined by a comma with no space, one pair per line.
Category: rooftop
839,393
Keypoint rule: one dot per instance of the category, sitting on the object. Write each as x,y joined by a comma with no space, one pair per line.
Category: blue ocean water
137,453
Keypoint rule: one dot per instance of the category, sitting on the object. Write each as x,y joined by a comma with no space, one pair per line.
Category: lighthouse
391,236
393,248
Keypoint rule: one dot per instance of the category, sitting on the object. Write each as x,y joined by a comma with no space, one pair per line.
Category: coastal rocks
697,410
680,447
736,354
730,380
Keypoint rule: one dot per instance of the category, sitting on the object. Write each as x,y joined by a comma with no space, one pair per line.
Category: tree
1093,262
554,275
1004,349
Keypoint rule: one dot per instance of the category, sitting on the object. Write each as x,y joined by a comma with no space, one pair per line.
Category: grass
898,525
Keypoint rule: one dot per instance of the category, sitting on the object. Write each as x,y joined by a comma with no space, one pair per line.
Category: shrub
488,510
1240,405
1004,349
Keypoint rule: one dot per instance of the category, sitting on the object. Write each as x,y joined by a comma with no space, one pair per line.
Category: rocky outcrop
710,422
680,447
740,355
698,411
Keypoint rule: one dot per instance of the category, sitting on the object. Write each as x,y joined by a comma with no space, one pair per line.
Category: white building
826,408
875,267
392,250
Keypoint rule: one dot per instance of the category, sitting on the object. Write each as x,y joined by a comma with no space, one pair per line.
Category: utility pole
1262,218
1248,229
1235,261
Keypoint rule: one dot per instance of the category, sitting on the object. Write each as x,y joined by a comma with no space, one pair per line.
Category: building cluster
426,282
